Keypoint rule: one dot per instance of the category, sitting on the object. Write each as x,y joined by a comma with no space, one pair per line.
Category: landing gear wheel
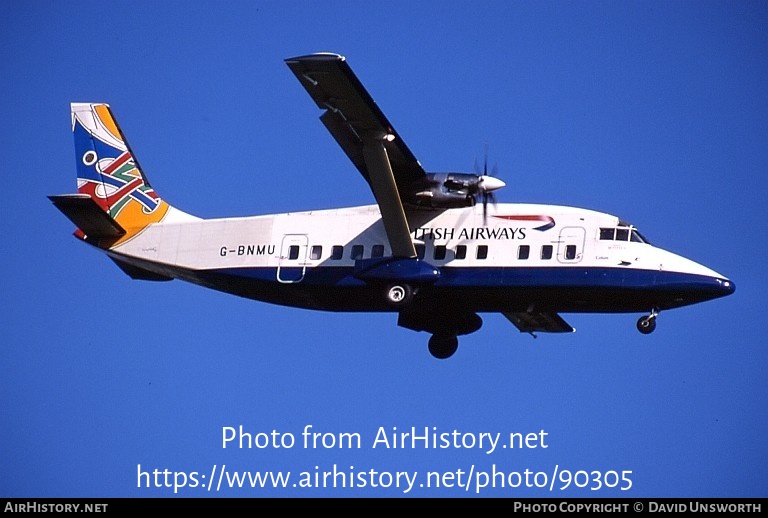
646,325
399,295
443,347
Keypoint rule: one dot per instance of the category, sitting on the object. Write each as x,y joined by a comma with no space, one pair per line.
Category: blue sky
654,111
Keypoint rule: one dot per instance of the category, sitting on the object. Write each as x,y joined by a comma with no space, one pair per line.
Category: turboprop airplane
436,249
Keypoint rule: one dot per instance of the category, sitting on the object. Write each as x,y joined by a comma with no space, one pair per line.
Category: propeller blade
486,183
487,195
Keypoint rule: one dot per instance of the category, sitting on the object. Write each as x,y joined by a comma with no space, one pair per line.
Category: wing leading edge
366,136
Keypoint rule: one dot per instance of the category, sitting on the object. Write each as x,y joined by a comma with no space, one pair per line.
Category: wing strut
384,188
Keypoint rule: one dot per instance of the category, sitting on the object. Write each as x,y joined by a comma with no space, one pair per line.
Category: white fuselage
335,238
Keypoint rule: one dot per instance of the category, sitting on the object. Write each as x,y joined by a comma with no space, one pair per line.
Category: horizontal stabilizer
543,322
87,215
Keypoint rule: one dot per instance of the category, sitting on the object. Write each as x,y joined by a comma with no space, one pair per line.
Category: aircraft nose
491,183
727,286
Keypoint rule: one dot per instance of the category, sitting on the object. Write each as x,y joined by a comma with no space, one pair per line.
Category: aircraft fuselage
557,258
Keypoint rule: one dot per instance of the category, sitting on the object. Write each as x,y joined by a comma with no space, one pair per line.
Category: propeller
486,184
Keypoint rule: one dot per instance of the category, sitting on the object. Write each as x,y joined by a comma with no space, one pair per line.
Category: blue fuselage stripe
517,277
566,289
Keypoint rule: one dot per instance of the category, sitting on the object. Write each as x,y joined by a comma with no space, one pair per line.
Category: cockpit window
622,233
637,237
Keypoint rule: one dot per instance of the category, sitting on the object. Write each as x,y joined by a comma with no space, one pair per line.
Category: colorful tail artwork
114,200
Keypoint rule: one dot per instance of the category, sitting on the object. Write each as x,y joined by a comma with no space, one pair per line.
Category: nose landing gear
646,325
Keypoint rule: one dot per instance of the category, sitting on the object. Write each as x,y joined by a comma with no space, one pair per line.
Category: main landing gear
445,319
443,346
646,325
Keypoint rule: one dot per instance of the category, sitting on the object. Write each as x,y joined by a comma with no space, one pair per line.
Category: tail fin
110,177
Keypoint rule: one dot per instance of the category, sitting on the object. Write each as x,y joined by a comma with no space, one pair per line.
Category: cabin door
570,248
293,258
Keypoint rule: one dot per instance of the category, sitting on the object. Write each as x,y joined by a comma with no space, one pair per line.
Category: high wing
352,116
366,136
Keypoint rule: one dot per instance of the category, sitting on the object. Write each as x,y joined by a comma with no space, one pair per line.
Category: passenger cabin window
523,251
337,252
482,251
293,252
570,252
461,252
357,252
546,252
440,252
421,250
377,251
316,252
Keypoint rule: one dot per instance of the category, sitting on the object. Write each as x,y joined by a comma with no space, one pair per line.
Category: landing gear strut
442,347
646,325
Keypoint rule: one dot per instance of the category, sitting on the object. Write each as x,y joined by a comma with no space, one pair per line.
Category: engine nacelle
450,190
